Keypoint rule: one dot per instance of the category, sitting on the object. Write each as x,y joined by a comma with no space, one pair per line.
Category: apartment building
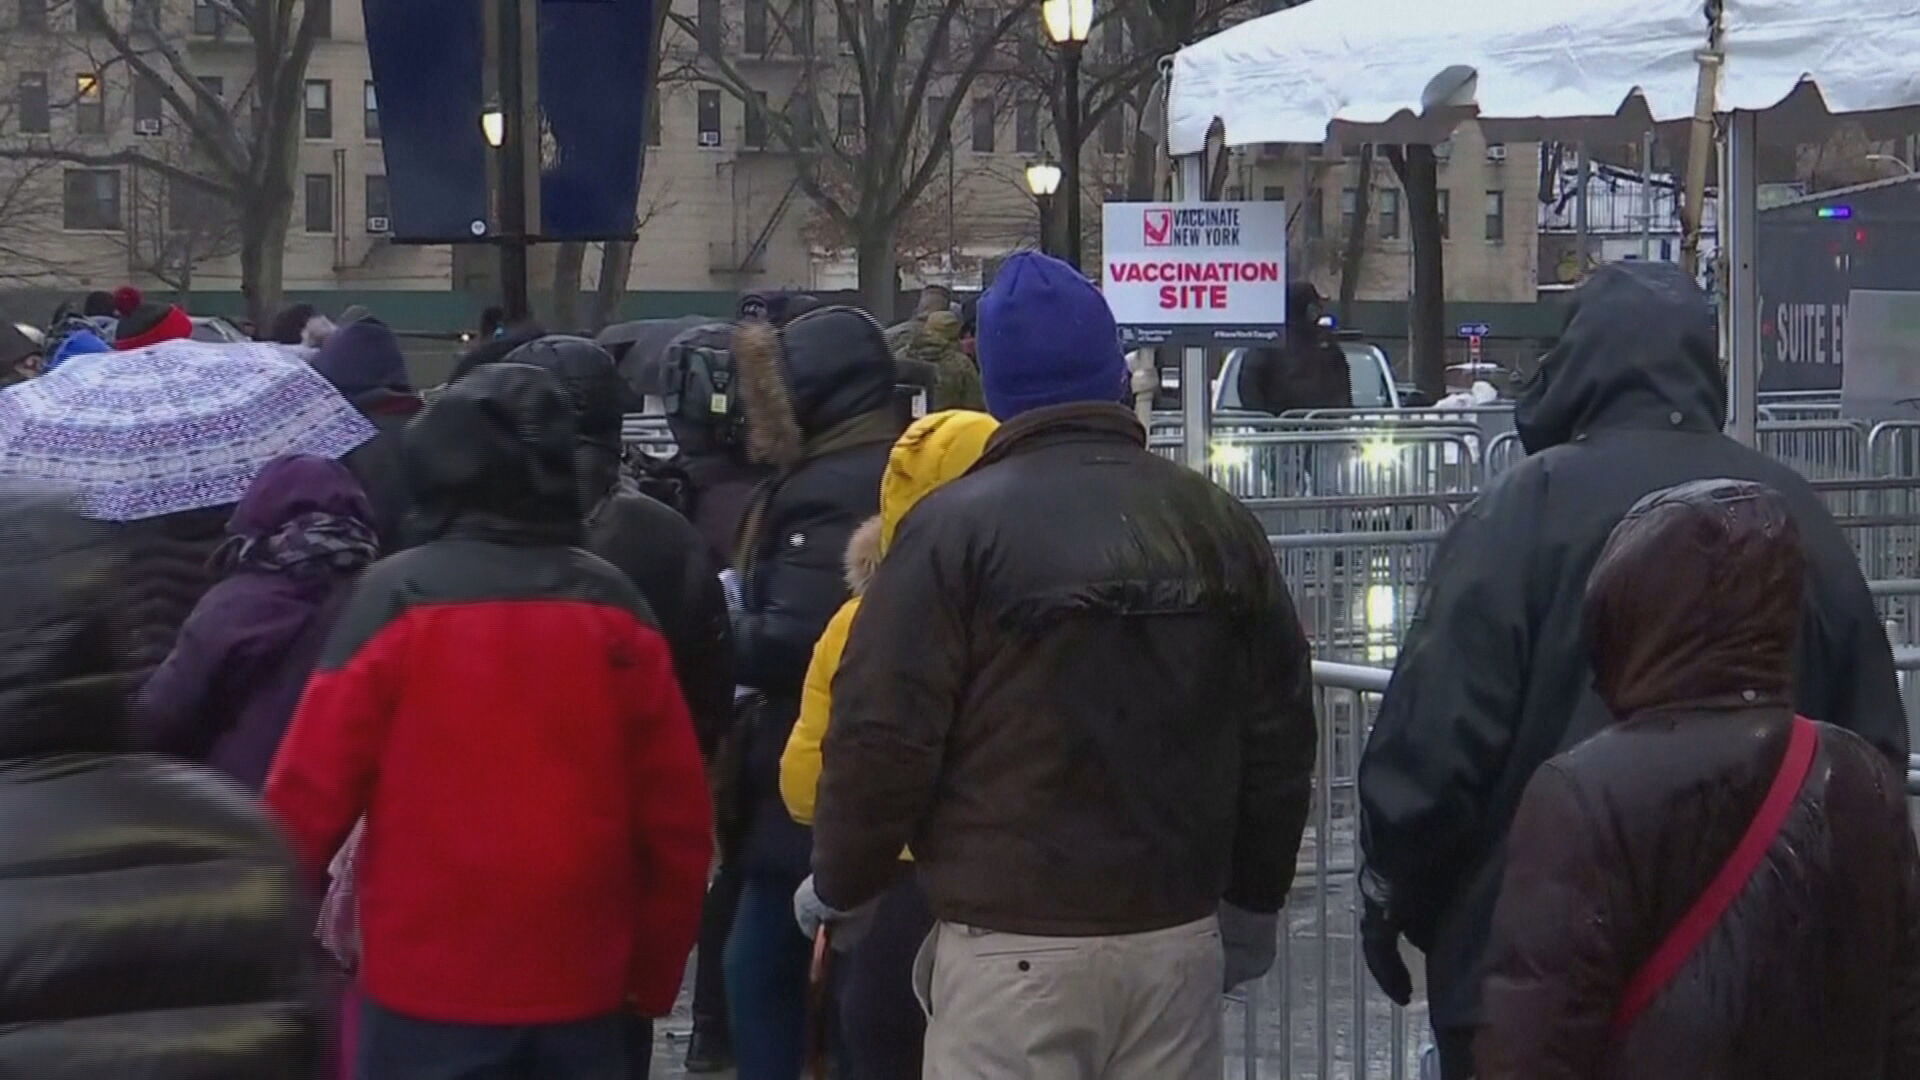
65,89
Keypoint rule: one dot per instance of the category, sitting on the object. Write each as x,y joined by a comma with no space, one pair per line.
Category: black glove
1380,941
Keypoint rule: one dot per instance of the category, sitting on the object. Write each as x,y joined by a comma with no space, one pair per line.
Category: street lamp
1068,23
1043,179
493,124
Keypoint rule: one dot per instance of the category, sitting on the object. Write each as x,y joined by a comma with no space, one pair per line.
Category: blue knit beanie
1046,338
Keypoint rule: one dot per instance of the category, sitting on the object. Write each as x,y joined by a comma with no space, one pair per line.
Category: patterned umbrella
183,425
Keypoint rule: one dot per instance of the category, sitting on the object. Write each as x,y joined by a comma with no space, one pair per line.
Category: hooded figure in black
646,540
1310,372
819,395
151,923
1493,677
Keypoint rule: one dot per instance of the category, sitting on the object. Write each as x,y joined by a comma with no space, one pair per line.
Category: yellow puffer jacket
935,450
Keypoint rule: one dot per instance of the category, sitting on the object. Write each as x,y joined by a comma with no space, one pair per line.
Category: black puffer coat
1308,372
1493,677
151,926
169,568
1813,970
653,546
1077,686
819,409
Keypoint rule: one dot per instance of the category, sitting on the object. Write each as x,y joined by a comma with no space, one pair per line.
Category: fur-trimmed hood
936,450
818,371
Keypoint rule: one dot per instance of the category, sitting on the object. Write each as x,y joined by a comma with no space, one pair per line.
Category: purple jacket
226,693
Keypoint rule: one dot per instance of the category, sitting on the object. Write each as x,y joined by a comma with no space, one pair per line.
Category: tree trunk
1355,253
568,262
1419,175
616,262
263,249
879,270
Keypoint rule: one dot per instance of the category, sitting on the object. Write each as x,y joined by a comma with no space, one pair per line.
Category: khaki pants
1013,1007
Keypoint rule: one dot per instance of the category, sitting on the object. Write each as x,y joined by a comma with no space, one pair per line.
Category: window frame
307,187
983,126
67,222
377,182
1496,222
1389,216
702,99
370,113
25,108
309,113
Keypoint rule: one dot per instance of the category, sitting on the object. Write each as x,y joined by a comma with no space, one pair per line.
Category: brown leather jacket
1814,971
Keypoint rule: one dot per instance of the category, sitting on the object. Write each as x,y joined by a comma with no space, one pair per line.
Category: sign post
1196,274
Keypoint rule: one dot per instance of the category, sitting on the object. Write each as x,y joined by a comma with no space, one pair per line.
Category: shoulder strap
1727,884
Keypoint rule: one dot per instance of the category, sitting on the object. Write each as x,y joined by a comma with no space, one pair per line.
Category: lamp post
1068,23
1043,179
506,122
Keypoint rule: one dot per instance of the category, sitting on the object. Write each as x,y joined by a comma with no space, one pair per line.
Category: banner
428,61
1196,274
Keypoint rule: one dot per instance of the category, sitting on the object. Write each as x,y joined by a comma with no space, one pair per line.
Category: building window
983,125
1235,193
192,208
216,88
31,107
1390,214
319,109
846,117
981,24
33,14
208,19
1349,202
1026,34
1444,199
653,118
1113,131
753,24
849,31
753,133
146,105
91,200
1315,213
89,105
707,108
936,108
803,112
379,203
321,12
1496,216
1026,127
1271,193
85,20
370,116
319,202
707,21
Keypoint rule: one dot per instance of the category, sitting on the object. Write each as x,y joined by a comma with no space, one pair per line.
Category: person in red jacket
500,707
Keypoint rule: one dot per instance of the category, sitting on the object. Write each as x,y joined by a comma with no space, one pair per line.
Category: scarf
311,543
879,426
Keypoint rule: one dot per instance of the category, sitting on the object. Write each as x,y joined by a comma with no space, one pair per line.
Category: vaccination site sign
1196,274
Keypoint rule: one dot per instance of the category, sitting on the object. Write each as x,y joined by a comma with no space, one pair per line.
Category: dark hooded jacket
819,397
498,705
1813,971
655,547
169,568
1493,677
364,362
720,475
1309,372
1077,686
225,694
153,923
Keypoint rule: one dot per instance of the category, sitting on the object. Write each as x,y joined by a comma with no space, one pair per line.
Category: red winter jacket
538,822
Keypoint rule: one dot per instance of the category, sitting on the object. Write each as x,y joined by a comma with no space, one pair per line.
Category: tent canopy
1408,70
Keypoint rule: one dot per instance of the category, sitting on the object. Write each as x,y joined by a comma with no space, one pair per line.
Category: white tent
1408,70
1290,76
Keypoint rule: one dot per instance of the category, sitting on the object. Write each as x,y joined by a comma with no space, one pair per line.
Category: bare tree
172,227
244,151
1353,257
1419,173
906,67
29,219
616,259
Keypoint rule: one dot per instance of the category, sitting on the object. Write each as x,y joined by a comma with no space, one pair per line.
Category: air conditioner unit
710,140
1443,150
379,225
146,127
1496,152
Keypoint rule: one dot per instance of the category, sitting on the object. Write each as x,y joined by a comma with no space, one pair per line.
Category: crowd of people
972,744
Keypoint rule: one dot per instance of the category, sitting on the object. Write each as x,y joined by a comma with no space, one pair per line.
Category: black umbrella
639,346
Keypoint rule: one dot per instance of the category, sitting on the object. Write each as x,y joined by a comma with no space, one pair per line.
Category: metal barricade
1817,449
1347,462
1318,1014
1356,592
1504,453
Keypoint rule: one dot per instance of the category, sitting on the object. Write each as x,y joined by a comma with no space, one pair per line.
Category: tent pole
1700,142
1196,404
1739,242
